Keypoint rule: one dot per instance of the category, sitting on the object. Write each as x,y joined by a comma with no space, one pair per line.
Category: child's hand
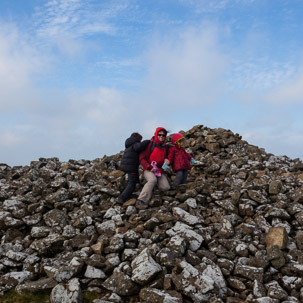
167,161
164,166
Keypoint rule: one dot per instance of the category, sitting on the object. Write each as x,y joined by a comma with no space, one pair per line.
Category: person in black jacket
130,164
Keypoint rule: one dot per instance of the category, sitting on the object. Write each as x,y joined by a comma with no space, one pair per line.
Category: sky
77,77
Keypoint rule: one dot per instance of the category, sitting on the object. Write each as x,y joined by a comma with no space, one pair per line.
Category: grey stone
145,268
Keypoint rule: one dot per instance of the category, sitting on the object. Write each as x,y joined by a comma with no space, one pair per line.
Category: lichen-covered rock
94,273
121,284
67,293
249,272
144,267
55,217
193,238
153,295
201,283
184,216
12,279
48,246
36,286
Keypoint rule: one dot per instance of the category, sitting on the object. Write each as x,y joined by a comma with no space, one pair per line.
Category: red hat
176,137
158,129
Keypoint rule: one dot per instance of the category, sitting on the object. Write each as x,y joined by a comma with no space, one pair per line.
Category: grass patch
44,295
89,296
27,297
40,297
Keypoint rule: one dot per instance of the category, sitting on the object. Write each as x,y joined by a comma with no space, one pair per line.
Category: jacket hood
130,141
176,137
156,134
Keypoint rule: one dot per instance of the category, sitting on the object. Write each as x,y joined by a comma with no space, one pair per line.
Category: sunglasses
161,135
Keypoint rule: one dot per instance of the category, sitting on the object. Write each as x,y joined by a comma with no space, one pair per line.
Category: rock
107,228
213,147
49,245
275,187
276,256
40,231
168,257
275,291
55,217
187,218
94,273
144,267
193,238
177,244
12,279
191,202
153,295
117,173
201,283
121,284
36,286
249,272
277,236
68,293
299,240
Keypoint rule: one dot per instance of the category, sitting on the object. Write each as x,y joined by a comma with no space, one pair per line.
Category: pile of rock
233,234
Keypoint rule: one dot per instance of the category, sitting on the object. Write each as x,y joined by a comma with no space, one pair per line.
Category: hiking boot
119,201
141,204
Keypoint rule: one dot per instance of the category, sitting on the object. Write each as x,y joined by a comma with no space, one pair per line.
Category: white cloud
205,6
19,63
76,18
186,69
288,92
11,138
68,24
105,107
259,74
280,85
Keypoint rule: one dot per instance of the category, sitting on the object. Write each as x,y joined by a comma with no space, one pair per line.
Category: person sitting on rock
152,159
130,164
179,160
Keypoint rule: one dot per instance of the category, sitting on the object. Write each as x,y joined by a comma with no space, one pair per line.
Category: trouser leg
163,183
133,179
147,189
184,178
178,178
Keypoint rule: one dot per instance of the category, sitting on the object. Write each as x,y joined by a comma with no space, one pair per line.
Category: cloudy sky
78,76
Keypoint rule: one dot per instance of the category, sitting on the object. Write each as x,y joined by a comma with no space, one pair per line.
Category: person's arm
140,146
189,156
144,158
171,155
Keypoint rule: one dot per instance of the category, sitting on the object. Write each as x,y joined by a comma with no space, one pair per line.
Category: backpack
155,144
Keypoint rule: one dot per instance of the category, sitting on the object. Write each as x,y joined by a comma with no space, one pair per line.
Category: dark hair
164,130
136,135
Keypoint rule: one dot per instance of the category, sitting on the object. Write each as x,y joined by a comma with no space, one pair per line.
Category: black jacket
130,159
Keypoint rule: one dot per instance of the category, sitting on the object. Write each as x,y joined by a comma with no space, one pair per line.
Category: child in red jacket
179,159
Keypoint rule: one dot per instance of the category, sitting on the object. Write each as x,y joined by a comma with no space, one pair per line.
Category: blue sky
77,77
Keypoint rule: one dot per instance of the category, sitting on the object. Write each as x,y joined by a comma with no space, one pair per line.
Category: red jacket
158,154
179,159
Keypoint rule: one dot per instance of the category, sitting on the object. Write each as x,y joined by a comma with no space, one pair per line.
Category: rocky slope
232,234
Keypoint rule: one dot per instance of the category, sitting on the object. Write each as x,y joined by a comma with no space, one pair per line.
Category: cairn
233,234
